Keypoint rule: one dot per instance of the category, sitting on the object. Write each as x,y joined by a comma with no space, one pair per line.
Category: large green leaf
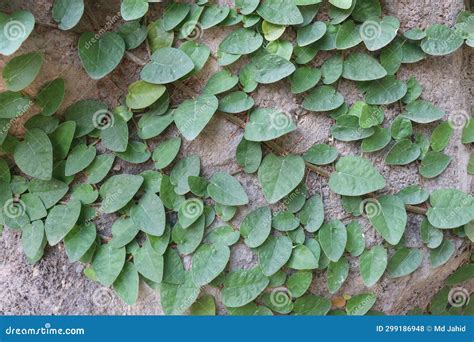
450,208
226,190
241,42
441,40
274,254
333,239
118,190
167,65
404,261
20,71
108,263
355,176
388,216
243,286
100,56
14,29
67,13
372,265
270,68
61,219
361,67
280,175
193,115
322,99
422,112
208,262
267,124
34,155
149,214
127,284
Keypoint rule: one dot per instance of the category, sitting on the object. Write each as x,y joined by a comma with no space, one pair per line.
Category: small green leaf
127,284
360,304
166,152
337,274
434,163
241,42
413,194
193,115
225,189
302,258
274,254
377,141
361,67
333,239
355,239
78,241
441,40
270,68
312,305
311,33
208,262
299,282
323,99
403,262
50,192
372,265
304,78
388,216
402,153
34,155
142,94
256,226
149,214
118,190
249,155
21,71
177,298
312,214
385,91
440,255
133,9
149,263
280,12
189,239
243,286
236,102
85,113
80,157
190,211
188,166
14,29
61,219
67,13
123,232
99,168
167,65
422,112
32,239
220,82
175,13
440,136
450,208
377,33
268,124
204,306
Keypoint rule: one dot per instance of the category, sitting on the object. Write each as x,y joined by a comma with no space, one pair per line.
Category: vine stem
316,169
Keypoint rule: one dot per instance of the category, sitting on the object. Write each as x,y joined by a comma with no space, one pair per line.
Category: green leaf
401,128
450,208
468,132
50,192
312,305
422,112
127,284
312,214
440,255
434,163
377,141
268,124
173,271
337,274
34,155
32,239
280,12
271,68
344,4
323,99
13,105
193,115
377,33
204,306
249,155
285,221
385,91
223,235
304,78
462,274
167,65
149,263
372,265
99,168
413,194
67,13
61,219
360,304
236,102
149,214
123,232
403,262
142,94
115,137
175,13
441,136
190,238
361,67
133,34
310,33
99,56
220,82
199,53
34,206
278,176
108,263
299,282
241,42
225,189
246,7
243,286
371,116
274,254
80,157
118,190
256,226
78,241
133,9
85,113
302,258
14,29
151,125
213,15
402,153
388,216
332,69
189,211
347,128
347,36
355,239
355,176
158,38
166,152
272,32
21,71
45,123
177,298
414,90
441,40
333,239
61,139
188,166
136,153
208,262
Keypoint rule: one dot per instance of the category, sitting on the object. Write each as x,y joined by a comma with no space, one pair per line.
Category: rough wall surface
54,286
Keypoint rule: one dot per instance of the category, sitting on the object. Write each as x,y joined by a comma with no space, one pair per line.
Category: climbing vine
57,180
